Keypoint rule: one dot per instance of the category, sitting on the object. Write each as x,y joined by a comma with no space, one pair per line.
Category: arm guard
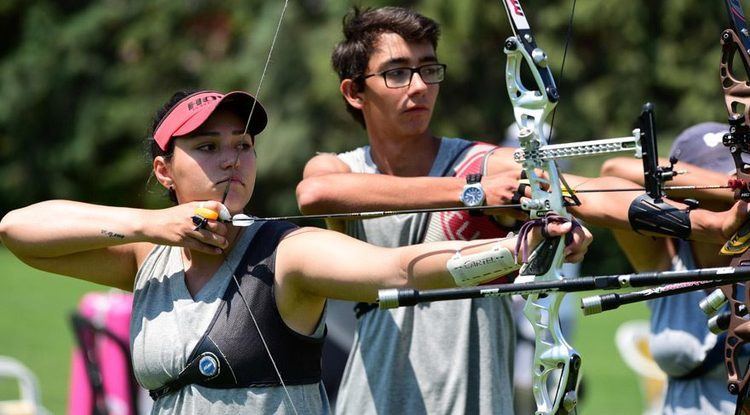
645,214
481,267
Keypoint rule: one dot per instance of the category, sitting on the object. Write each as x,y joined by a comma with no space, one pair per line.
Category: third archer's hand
733,219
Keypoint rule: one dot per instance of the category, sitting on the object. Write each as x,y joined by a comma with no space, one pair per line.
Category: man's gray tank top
451,357
680,341
167,323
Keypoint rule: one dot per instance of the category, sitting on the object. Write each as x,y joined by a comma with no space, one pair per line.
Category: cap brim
240,100
180,122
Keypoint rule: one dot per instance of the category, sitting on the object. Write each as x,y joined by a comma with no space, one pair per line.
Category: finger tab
206,213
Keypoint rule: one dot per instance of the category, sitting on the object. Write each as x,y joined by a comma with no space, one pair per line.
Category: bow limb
735,42
531,108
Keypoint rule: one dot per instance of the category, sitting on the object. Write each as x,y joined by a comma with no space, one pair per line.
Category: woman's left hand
580,239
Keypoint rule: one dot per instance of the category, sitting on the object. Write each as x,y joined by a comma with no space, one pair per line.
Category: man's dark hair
361,30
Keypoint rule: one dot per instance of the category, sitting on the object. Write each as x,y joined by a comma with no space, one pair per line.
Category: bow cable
226,193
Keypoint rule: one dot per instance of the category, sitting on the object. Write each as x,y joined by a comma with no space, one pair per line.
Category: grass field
34,312
35,308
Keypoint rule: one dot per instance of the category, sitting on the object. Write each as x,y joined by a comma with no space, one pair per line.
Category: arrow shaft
239,220
641,189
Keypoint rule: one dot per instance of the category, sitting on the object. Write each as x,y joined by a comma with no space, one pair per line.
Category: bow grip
739,242
737,336
543,257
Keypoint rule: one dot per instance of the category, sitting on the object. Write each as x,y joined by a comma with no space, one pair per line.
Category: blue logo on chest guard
208,365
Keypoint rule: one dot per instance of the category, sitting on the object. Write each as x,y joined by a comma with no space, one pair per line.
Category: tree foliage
81,80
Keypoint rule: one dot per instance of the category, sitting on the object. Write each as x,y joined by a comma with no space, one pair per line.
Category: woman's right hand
104,244
174,226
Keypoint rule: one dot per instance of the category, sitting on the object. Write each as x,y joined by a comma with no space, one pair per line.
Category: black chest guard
231,353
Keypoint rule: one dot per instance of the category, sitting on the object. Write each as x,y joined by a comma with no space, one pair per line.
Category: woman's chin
235,205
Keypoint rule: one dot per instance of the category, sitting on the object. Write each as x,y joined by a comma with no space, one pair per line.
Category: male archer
447,357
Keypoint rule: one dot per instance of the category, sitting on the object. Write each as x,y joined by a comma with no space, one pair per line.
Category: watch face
472,196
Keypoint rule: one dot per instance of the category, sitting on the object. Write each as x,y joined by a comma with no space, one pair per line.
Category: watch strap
474,178
471,179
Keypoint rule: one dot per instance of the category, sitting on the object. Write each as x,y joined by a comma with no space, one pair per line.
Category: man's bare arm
644,253
501,160
329,186
610,209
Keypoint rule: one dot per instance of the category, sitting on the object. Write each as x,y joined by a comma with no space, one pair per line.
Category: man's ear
351,93
162,172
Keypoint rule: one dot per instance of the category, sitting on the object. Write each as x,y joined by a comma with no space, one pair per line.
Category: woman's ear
351,93
162,172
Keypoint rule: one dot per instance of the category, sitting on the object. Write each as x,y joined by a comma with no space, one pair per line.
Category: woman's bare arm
101,244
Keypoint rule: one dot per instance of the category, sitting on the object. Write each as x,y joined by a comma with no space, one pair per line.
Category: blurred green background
80,81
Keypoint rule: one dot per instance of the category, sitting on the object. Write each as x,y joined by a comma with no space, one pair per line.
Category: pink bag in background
102,381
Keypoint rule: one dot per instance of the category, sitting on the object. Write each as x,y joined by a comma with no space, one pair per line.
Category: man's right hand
499,189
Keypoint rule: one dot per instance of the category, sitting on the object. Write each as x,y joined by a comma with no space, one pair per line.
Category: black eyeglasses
433,73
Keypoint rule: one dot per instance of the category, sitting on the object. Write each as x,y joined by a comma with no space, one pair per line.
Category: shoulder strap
461,148
229,353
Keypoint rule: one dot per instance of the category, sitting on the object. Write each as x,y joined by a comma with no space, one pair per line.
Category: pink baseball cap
192,111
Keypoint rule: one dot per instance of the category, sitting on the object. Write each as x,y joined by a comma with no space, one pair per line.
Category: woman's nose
230,158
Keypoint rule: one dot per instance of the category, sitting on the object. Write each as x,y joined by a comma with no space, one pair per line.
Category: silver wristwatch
472,193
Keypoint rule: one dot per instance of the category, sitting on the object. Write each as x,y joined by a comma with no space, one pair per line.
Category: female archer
225,318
